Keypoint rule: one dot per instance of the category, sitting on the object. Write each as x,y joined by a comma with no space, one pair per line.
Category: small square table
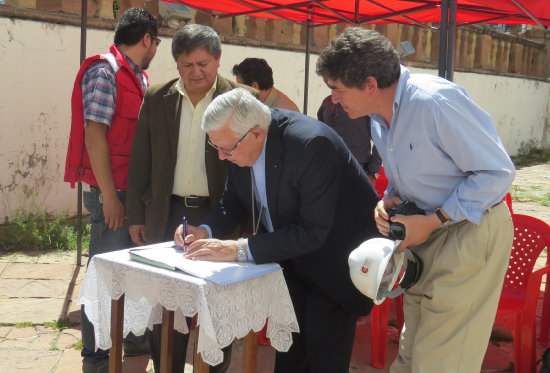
121,296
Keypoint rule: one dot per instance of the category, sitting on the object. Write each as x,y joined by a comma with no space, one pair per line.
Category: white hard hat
376,265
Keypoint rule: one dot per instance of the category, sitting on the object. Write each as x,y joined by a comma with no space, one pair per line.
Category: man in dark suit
173,173
296,176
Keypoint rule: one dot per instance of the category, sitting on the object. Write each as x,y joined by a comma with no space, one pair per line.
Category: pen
184,232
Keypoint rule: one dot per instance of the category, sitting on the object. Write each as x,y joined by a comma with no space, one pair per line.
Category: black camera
397,230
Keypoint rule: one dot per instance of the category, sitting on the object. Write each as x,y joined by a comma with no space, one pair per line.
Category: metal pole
451,35
443,39
306,72
83,27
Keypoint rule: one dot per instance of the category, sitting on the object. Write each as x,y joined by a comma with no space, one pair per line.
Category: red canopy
379,11
415,12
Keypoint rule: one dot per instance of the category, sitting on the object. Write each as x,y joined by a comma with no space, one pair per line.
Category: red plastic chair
379,317
381,183
545,319
520,292
508,199
380,314
262,338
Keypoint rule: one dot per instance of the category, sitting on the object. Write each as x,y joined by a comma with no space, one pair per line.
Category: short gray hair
356,54
194,36
239,109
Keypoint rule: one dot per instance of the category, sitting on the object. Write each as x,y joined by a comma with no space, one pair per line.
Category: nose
335,98
196,71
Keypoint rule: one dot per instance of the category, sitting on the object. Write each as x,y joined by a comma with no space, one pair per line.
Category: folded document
166,255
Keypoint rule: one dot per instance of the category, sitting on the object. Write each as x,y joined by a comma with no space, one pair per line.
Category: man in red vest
107,95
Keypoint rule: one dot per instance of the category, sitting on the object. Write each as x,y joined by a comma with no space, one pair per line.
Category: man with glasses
310,204
173,172
107,95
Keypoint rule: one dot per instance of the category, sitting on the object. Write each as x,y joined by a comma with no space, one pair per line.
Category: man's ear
371,84
147,40
255,85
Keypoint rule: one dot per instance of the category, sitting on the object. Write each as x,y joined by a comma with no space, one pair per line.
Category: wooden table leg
250,352
167,341
117,324
199,366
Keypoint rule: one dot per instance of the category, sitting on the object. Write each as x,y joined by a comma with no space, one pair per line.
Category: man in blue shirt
441,151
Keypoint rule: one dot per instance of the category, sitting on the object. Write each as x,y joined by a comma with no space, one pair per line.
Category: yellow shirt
190,173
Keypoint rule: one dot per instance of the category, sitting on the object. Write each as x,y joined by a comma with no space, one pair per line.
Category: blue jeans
102,240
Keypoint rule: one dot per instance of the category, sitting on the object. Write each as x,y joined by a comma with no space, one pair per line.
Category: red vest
120,134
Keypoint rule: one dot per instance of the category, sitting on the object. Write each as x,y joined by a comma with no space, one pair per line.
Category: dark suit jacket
320,201
153,159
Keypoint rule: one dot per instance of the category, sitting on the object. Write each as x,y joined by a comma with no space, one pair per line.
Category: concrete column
459,48
470,47
29,4
50,5
221,25
516,52
239,25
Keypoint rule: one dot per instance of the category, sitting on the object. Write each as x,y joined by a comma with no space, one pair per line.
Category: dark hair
133,25
356,54
255,70
193,36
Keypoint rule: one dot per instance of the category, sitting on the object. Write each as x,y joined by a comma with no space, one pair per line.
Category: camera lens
397,231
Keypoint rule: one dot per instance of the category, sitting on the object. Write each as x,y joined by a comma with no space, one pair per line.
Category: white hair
239,109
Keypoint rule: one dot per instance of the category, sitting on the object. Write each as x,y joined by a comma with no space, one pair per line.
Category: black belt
192,201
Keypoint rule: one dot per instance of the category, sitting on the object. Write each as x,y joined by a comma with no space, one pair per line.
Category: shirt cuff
207,228
250,258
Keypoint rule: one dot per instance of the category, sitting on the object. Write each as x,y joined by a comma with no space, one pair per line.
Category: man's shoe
136,346
96,367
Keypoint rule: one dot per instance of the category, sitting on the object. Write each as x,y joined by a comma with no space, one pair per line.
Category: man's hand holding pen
200,247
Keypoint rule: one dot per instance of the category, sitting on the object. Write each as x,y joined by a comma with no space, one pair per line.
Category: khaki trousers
450,312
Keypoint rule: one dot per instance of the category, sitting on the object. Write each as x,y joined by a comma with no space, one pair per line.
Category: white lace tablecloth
225,312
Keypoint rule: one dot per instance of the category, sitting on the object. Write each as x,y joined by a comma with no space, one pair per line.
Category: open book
167,255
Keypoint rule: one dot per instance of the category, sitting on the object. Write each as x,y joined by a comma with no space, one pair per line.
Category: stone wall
478,48
39,58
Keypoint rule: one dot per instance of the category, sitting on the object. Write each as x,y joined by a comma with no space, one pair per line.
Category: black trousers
327,331
194,217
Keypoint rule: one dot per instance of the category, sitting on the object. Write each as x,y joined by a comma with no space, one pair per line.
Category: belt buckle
191,198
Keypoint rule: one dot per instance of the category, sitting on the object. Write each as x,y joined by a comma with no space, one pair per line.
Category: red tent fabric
379,11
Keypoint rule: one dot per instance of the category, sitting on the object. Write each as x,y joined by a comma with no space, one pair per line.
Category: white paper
222,273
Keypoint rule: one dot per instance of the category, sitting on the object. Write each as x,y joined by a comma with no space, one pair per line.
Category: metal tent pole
447,32
443,39
306,72
83,29
451,34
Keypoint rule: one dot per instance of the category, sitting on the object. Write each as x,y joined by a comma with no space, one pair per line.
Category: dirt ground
532,181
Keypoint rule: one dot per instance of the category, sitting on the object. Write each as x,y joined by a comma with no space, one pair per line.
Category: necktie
254,192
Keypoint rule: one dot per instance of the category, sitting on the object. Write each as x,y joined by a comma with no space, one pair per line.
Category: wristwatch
441,217
241,252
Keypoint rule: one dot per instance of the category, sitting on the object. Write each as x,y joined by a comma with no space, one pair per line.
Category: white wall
38,63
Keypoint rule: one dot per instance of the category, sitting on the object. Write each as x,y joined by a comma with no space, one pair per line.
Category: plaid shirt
99,90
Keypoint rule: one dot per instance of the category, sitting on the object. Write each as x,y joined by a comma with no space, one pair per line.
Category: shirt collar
261,158
181,88
400,88
134,66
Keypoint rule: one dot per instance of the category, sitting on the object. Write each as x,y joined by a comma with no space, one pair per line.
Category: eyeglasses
230,153
155,39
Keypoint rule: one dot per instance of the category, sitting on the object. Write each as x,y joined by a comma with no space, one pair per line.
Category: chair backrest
531,236
508,199
381,183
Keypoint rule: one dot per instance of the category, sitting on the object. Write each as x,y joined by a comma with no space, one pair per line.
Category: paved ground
43,288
